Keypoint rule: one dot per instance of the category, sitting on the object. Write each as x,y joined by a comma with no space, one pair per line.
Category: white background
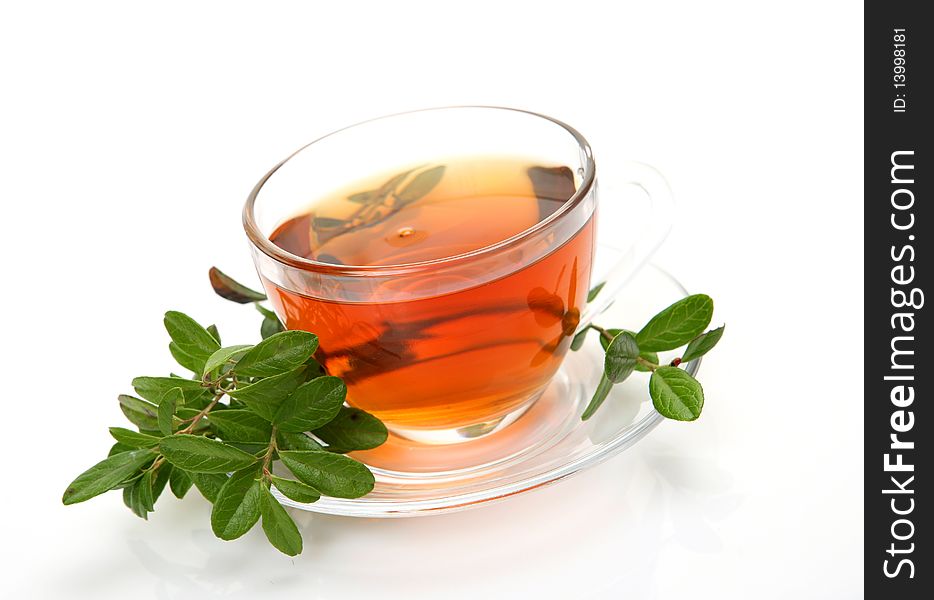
130,134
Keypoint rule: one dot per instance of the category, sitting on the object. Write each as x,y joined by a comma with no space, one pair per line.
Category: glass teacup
441,348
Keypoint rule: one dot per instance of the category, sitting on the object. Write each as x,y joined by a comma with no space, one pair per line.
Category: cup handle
661,214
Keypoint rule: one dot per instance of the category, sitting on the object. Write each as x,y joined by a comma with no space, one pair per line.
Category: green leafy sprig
245,409
226,287
675,393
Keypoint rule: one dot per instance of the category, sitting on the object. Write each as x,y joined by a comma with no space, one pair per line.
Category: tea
452,360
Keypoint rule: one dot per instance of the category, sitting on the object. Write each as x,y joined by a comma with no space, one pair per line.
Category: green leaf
240,425
139,412
227,288
279,527
266,395
676,325
236,509
151,485
621,357
702,344
132,439
651,357
327,223
296,490
421,185
201,455
209,484
145,492
105,475
191,343
179,483
603,388
118,447
134,477
230,354
163,474
270,327
253,448
595,291
332,474
132,497
296,441
312,405
277,354
128,480
675,394
154,388
578,342
315,369
271,324
212,329
352,429
265,311
167,405
185,360
605,343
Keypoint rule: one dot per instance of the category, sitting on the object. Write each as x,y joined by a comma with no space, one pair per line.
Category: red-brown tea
456,359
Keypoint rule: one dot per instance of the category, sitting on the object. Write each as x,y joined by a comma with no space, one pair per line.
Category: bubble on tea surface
406,236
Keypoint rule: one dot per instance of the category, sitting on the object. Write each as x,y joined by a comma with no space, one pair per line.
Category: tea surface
454,360
431,212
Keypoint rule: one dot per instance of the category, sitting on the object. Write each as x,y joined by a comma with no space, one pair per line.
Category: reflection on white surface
588,537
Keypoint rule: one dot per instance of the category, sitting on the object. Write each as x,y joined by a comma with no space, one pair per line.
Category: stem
191,427
204,411
267,458
647,363
221,377
603,332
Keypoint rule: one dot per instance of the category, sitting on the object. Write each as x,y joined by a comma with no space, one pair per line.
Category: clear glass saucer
547,443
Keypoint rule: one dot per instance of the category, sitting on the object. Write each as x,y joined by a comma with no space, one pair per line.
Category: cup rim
262,243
